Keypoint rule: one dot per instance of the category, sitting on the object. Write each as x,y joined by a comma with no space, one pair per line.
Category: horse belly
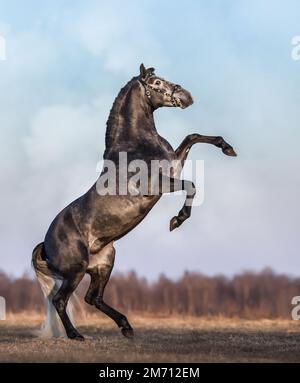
117,217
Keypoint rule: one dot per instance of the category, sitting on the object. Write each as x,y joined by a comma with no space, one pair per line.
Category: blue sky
67,60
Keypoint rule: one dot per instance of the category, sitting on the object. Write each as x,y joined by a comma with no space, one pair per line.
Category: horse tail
50,284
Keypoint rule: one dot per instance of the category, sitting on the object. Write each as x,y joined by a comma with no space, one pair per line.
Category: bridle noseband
174,100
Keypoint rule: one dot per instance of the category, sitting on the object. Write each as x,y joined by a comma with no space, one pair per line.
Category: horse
80,240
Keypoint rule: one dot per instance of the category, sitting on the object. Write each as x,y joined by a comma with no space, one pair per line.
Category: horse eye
157,82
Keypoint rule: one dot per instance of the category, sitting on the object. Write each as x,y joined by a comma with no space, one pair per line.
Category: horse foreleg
183,149
169,184
100,271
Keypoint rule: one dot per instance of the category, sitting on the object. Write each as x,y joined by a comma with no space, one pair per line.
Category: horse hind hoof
77,337
229,152
127,332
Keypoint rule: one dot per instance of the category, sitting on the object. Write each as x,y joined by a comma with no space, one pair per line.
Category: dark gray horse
80,239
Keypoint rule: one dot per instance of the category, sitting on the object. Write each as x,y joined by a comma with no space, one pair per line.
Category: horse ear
150,70
143,71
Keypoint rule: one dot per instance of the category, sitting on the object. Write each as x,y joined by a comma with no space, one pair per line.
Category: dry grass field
157,339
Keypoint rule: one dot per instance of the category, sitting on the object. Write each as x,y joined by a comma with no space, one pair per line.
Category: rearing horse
80,239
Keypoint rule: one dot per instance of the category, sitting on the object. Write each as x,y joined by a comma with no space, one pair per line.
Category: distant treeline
247,295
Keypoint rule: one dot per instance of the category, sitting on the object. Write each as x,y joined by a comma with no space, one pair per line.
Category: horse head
161,92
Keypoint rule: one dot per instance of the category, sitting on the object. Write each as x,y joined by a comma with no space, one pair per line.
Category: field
157,339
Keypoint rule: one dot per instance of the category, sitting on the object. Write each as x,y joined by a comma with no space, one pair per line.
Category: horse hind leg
61,298
100,269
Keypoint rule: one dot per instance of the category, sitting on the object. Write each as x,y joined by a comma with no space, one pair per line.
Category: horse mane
113,119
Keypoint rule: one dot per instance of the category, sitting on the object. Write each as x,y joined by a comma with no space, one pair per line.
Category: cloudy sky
67,60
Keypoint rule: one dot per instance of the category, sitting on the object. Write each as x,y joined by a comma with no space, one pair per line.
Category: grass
157,339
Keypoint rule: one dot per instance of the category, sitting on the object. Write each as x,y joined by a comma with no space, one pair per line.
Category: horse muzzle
185,98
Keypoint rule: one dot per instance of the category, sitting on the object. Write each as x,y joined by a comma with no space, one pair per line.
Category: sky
65,63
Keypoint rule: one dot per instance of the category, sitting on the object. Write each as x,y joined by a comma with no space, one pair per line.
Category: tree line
247,295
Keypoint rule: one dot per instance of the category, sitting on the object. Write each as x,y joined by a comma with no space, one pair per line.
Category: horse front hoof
174,223
229,152
128,332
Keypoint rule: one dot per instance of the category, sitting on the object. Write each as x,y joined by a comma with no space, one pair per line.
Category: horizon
152,280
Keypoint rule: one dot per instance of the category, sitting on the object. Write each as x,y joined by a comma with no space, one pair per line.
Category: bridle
174,100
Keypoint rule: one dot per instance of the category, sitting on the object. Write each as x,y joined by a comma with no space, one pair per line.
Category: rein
174,100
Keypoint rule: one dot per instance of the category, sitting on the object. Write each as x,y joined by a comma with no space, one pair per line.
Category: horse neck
131,118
